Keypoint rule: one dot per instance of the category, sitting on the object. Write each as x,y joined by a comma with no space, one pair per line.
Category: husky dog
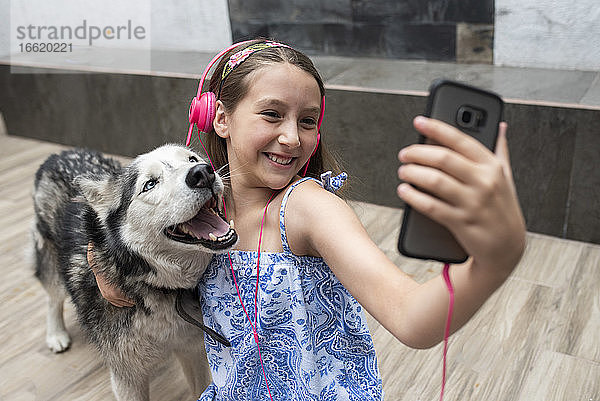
154,225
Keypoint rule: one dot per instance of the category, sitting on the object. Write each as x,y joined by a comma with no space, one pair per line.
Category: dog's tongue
207,222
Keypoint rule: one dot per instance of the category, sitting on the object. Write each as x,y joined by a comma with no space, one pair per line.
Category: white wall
188,25
562,34
193,25
4,26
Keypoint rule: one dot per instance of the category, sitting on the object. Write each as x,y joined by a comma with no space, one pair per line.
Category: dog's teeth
186,230
212,237
231,225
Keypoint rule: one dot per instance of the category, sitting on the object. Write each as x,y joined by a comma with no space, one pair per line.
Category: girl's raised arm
473,194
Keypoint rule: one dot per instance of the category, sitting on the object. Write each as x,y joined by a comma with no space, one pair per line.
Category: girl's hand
469,189
111,293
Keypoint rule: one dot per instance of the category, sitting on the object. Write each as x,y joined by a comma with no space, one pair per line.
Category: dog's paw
58,342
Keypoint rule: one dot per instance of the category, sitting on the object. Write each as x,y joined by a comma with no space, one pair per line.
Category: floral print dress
313,336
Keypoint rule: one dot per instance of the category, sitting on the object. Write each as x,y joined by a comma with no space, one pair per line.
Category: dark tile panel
368,130
315,39
409,29
583,221
476,11
123,114
541,142
361,11
394,40
383,11
250,30
290,11
422,41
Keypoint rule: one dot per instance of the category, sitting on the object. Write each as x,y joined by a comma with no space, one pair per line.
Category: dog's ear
101,192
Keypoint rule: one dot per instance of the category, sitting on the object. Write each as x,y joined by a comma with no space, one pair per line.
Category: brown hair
235,87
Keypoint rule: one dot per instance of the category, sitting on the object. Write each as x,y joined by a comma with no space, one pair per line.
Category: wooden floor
537,338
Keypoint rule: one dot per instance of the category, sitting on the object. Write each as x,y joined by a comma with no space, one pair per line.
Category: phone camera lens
466,117
470,117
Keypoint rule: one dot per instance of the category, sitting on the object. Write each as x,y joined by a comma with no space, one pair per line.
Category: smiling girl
290,299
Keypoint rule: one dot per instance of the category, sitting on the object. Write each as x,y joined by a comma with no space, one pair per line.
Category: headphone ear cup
202,111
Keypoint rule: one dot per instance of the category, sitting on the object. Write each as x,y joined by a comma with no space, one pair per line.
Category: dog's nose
200,176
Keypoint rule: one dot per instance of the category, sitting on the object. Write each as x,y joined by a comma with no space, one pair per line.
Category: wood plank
557,376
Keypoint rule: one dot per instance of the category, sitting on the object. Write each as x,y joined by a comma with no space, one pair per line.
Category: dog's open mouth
207,228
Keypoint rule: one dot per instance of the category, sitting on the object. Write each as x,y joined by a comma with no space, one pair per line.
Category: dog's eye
193,159
149,185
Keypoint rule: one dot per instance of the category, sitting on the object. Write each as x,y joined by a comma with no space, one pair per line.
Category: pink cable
211,164
251,325
262,222
254,326
446,276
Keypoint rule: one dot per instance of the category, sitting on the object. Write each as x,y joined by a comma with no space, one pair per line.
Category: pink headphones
203,106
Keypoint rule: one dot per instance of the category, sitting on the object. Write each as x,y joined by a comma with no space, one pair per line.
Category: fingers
428,205
501,144
112,294
90,257
462,185
502,150
440,158
109,292
452,138
448,180
432,181
120,303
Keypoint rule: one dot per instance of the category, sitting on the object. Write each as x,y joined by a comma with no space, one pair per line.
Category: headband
241,56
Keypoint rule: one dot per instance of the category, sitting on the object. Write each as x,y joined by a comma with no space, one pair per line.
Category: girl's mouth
284,161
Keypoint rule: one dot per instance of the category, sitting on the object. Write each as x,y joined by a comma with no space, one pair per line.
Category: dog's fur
131,215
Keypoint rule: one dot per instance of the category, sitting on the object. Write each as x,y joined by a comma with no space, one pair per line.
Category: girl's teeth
280,160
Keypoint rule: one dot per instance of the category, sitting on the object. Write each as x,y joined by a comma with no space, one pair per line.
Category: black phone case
451,102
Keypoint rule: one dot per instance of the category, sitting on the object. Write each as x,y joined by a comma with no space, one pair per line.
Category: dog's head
164,207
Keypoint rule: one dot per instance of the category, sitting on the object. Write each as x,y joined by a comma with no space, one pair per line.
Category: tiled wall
554,150
449,30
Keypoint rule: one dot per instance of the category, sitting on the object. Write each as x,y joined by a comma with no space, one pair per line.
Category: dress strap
284,241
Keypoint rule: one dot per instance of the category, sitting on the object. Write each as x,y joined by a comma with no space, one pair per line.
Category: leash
189,294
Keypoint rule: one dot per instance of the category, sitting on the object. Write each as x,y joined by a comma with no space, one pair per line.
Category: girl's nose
289,135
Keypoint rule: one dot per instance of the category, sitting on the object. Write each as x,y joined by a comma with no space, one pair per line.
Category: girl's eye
271,114
149,185
309,122
193,159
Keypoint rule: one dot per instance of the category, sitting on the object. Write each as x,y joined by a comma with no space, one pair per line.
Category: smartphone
476,112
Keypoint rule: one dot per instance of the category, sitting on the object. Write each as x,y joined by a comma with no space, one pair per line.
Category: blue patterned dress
313,336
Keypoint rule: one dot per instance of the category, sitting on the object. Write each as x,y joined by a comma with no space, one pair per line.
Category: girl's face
273,130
